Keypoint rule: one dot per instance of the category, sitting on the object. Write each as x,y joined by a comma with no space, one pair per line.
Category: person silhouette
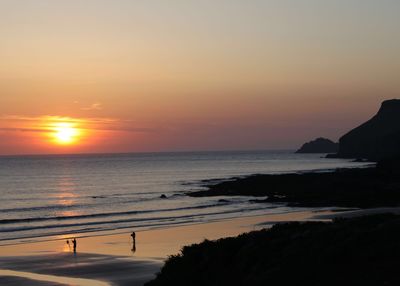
133,247
74,243
133,242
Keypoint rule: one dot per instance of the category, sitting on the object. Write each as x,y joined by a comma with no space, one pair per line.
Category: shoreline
110,259
231,226
127,230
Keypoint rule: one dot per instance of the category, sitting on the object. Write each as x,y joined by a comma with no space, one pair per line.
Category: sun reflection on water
66,195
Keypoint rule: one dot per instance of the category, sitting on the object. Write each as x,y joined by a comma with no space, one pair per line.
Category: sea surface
53,195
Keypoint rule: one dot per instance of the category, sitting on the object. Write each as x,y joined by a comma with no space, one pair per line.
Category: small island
319,145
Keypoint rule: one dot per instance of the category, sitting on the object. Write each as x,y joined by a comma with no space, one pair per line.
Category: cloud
94,106
47,123
57,118
23,129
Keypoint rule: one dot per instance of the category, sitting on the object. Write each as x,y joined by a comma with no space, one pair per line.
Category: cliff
319,145
376,139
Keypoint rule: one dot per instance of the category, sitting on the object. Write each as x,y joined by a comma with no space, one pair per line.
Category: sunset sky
134,76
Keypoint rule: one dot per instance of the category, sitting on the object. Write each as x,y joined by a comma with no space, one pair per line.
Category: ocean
45,197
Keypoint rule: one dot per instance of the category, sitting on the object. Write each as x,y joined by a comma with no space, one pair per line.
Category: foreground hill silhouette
359,251
376,139
319,145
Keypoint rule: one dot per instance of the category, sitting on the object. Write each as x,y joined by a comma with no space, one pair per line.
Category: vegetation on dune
359,251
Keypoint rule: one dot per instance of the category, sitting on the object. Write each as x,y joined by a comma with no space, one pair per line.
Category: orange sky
192,75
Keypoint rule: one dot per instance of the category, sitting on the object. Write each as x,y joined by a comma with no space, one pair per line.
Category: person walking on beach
74,243
133,242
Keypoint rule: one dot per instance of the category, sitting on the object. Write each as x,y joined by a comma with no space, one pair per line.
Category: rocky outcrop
319,145
376,139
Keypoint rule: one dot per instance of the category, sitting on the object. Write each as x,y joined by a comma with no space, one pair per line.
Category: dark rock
376,139
319,145
360,160
98,197
332,156
389,165
163,196
361,188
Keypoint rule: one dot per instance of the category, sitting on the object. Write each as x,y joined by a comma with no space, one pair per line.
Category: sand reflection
60,280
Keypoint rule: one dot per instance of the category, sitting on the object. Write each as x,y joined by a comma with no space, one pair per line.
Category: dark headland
357,251
376,139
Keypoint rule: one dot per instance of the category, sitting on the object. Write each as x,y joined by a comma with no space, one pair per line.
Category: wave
58,207
110,214
34,237
110,222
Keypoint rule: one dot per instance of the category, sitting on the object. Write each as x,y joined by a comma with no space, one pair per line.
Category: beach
109,260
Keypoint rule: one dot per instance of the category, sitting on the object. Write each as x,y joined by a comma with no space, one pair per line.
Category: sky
142,76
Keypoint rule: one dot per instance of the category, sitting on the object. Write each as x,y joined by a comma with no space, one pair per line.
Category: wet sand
18,281
351,213
109,259
81,269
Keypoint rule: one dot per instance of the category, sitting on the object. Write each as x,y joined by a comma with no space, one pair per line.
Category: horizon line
139,152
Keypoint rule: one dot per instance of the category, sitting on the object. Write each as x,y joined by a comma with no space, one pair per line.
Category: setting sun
65,133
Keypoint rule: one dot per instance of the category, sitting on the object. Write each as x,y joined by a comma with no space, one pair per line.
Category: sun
65,133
